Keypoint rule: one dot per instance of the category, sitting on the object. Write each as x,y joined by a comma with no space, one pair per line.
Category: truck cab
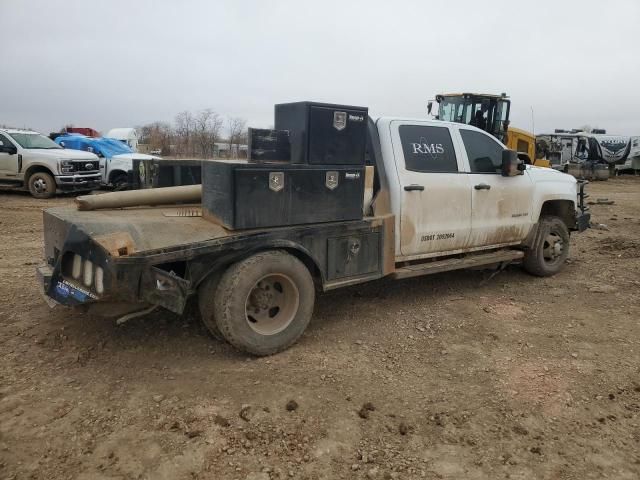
29,160
448,194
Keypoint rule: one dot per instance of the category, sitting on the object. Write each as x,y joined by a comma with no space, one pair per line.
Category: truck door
501,206
435,198
8,163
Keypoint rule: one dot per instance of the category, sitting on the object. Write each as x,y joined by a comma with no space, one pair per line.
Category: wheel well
308,262
563,209
35,169
224,263
115,173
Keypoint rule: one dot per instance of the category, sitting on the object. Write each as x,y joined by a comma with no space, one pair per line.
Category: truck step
10,184
472,260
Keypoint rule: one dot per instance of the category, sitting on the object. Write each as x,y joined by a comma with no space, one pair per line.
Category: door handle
411,188
482,186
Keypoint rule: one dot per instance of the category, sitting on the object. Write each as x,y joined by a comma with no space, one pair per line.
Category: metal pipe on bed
146,197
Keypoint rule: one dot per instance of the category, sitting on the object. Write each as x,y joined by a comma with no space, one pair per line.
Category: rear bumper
78,182
43,276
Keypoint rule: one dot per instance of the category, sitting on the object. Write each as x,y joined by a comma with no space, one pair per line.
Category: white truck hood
60,153
543,174
124,161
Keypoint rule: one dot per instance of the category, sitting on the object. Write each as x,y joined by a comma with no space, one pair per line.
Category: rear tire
206,301
550,248
264,303
41,185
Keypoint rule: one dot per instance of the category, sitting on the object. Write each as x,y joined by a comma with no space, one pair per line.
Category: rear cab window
484,152
428,149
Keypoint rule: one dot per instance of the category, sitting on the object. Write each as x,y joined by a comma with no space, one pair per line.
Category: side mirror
525,158
10,149
429,107
511,164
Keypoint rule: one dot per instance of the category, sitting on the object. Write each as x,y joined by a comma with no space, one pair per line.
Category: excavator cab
491,114
487,112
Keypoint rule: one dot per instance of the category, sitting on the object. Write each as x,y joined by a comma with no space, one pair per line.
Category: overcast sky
105,64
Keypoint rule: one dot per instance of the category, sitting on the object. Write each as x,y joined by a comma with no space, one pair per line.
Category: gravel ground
450,376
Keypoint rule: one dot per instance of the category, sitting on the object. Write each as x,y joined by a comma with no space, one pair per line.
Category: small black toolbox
242,195
156,173
324,134
267,145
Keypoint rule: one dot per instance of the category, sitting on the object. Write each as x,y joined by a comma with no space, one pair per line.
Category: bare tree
236,129
184,125
207,131
158,135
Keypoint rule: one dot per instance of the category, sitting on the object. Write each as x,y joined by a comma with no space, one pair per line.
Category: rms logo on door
427,149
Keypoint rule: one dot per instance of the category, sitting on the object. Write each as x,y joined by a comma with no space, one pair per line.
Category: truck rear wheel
41,185
263,304
550,248
206,301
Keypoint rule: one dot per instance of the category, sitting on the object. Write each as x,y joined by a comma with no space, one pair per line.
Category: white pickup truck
445,196
29,160
116,157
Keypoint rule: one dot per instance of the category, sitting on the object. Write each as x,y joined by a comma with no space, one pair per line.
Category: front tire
550,248
120,181
263,304
41,185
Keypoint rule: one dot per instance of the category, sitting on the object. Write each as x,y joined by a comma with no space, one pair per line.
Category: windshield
500,117
34,140
452,110
488,114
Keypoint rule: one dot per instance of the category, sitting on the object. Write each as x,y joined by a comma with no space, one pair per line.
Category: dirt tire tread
533,261
50,181
206,302
229,287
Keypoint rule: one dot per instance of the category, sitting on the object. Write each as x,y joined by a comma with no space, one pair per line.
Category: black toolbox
157,173
323,133
268,145
241,195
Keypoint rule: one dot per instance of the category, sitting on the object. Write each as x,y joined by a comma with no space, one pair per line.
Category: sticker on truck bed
437,236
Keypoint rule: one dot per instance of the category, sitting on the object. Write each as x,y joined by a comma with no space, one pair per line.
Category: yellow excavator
490,113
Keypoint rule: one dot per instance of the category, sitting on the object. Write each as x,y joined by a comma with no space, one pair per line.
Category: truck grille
86,166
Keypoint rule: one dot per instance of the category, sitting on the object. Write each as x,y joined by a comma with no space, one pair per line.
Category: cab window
427,149
484,153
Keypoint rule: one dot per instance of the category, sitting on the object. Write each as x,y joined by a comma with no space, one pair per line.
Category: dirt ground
448,376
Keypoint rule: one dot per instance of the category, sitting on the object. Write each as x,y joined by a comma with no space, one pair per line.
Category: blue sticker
62,289
66,289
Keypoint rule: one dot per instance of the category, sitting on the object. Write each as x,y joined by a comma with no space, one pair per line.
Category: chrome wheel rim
40,185
552,248
272,304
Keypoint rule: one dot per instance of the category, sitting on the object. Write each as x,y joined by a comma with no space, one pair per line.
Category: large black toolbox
241,195
324,134
154,173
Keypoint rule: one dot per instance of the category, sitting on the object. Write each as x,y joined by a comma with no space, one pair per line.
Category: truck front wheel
550,248
41,185
120,181
263,303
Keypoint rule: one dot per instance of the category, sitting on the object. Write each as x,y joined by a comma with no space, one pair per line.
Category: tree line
202,134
